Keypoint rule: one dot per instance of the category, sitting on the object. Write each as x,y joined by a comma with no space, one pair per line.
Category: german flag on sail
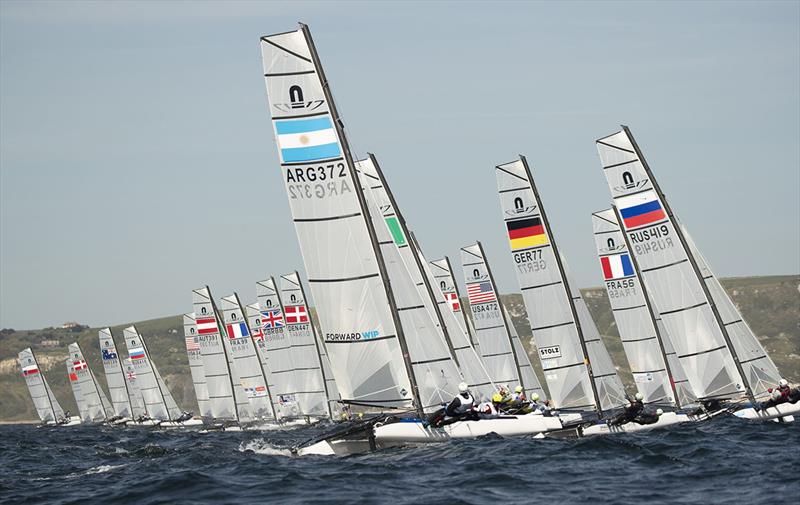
527,232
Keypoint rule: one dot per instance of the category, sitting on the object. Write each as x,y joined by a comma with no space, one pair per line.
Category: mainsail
576,364
47,406
115,378
215,358
158,400
137,401
671,275
365,346
77,392
312,387
246,365
434,368
97,405
196,366
642,338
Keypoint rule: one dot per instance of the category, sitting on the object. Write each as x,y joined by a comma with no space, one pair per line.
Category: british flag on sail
296,314
453,301
271,318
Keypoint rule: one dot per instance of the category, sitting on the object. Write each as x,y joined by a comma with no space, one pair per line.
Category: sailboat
77,392
196,368
47,406
158,401
246,364
137,400
721,356
316,389
97,407
115,378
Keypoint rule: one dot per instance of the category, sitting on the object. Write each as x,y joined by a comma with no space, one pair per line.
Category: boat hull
505,426
778,412
664,420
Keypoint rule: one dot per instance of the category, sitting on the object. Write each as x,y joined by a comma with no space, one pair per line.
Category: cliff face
771,305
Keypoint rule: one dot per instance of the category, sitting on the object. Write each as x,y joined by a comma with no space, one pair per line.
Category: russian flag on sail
237,330
616,266
307,139
137,353
640,209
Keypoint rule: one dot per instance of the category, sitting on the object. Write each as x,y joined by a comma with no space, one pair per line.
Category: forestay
669,276
576,364
312,388
192,340
636,323
98,407
276,346
333,229
436,373
47,407
115,378
246,365
215,358
158,400
77,392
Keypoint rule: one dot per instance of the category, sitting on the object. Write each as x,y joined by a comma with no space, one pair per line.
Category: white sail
257,330
443,274
215,357
677,292
157,398
47,407
115,378
278,347
576,364
491,327
642,339
336,240
760,372
97,405
196,367
246,365
137,401
77,392
312,393
526,371
436,373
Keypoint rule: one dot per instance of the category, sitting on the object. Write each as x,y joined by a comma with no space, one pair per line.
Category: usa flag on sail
616,266
295,314
191,344
640,209
307,139
237,330
480,292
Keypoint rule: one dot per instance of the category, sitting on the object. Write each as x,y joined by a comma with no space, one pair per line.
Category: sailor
784,390
633,409
486,410
518,397
462,405
185,416
536,406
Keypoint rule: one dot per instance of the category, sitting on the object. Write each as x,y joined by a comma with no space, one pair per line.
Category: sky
137,159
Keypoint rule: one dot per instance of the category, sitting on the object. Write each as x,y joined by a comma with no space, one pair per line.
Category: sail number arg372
317,181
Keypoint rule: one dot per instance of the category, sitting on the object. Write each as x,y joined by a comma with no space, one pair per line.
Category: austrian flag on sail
206,325
295,314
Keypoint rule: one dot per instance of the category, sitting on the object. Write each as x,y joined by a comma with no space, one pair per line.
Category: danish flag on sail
295,314
79,365
452,299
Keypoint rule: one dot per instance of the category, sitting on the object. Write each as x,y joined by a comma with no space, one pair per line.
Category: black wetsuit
629,414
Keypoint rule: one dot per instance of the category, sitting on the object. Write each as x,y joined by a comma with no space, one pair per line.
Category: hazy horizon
133,135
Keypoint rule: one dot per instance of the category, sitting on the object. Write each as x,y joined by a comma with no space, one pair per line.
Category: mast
557,255
316,343
417,261
695,268
46,389
224,350
371,230
649,303
502,315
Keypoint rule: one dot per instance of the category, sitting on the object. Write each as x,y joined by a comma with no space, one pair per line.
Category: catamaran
97,408
721,356
77,392
192,341
47,406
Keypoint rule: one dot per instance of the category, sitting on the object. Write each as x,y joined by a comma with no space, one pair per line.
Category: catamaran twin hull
784,412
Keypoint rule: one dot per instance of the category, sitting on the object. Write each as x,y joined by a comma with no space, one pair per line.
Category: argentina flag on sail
310,139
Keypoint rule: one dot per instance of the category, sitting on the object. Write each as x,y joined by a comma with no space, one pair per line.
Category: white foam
259,446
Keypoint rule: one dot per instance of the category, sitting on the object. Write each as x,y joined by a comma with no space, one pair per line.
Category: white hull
779,412
185,424
666,419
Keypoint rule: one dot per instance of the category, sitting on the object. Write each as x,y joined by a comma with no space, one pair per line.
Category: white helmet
535,397
659,412
463,388
639,396
783,382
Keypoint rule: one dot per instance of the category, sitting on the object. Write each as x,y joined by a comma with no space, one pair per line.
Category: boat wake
261,446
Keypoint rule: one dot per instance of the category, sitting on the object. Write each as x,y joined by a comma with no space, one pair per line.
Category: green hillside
771,305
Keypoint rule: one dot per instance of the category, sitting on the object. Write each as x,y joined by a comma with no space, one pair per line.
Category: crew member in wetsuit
462,406
635,407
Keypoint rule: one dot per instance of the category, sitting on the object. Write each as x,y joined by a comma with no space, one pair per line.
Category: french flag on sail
616,266
237,330
640,209
307,139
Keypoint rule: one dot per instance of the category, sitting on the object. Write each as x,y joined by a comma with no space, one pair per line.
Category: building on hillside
50,343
